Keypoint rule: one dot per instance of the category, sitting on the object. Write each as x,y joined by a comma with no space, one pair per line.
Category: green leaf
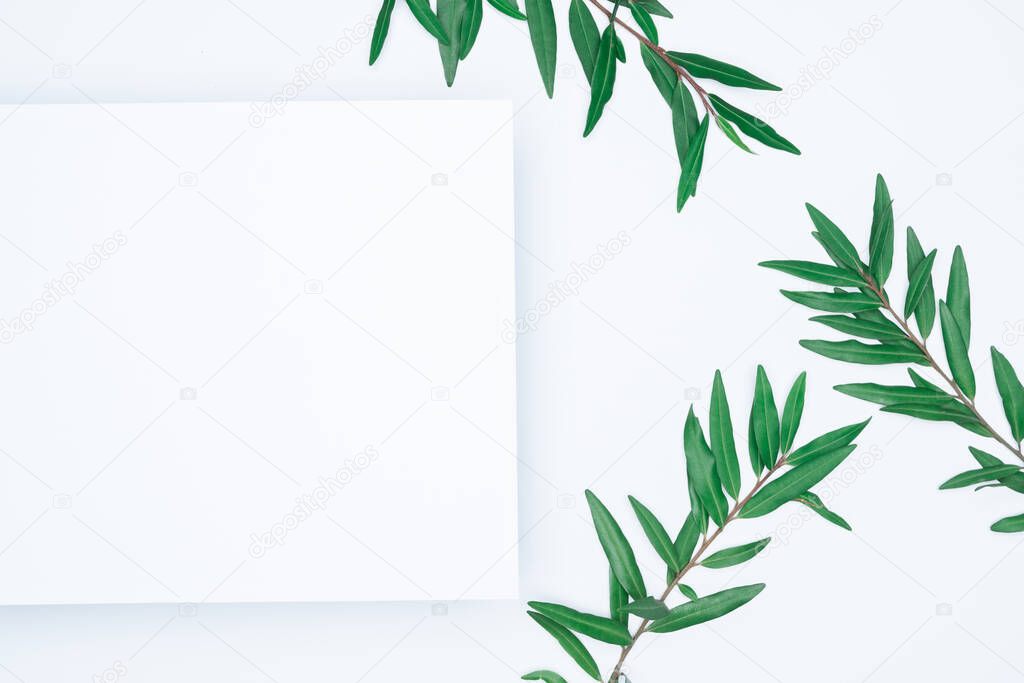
757,458
852,351
1009,525
451,14
736,555
794,482
691,165
570,643
919,279
620,49
663,75
812,501
868,329
643,19
887,395
921,383
687,591
544,675
604,79
752,126
766,419
647,608
380,29
792,412
656,534
700,471
827,443
731,133
1012,393
617,598
700,66
817,272
654,7
880,247
834,302
686,540
508,8
958,294
585,36
540,19
470,26
956,352
705,609
684,120
616,548
951,411
599,628
837,244
972,477
723,443
428,20
924,313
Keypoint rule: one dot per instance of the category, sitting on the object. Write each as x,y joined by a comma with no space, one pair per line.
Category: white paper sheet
256,356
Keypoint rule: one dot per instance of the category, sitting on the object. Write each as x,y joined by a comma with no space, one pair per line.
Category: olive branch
860,306
781,474
455,24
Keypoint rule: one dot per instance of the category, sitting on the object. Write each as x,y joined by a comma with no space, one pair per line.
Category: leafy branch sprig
860,306
456,24
782,474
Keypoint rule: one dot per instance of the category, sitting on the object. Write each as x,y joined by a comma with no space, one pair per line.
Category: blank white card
257,355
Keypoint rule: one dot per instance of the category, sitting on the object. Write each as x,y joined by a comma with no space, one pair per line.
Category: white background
604,380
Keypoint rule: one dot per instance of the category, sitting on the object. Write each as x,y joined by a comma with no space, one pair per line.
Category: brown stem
660,51
694,561
920,344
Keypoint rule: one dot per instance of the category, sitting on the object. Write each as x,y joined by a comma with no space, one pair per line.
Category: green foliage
859,293
679,77
713,477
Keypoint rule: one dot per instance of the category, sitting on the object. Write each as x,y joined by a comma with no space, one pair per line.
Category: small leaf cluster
860,306
455,24
781,474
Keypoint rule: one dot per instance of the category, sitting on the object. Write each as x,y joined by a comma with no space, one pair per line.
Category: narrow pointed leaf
701,66
686,540
794,482
723,443
656,534
834,302
604,79
1009,525
867,329
752,126
817,272
852,351
956,352
380,29
952,411
428,20
731,133
570,643
958,294
701,471
839,246
692,165
585,36
706,608
979,476
826,443
1012,393
620,48
887,395
920,278
545,676
736,555
880,247
470,26
663,75
813,502
617,599
644,20
792,412
766,418
1014,482
599,628
687,591
684,120
508,8
921,382
616,548
654,7
540,19
757,459
924,313
647,608
451,14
